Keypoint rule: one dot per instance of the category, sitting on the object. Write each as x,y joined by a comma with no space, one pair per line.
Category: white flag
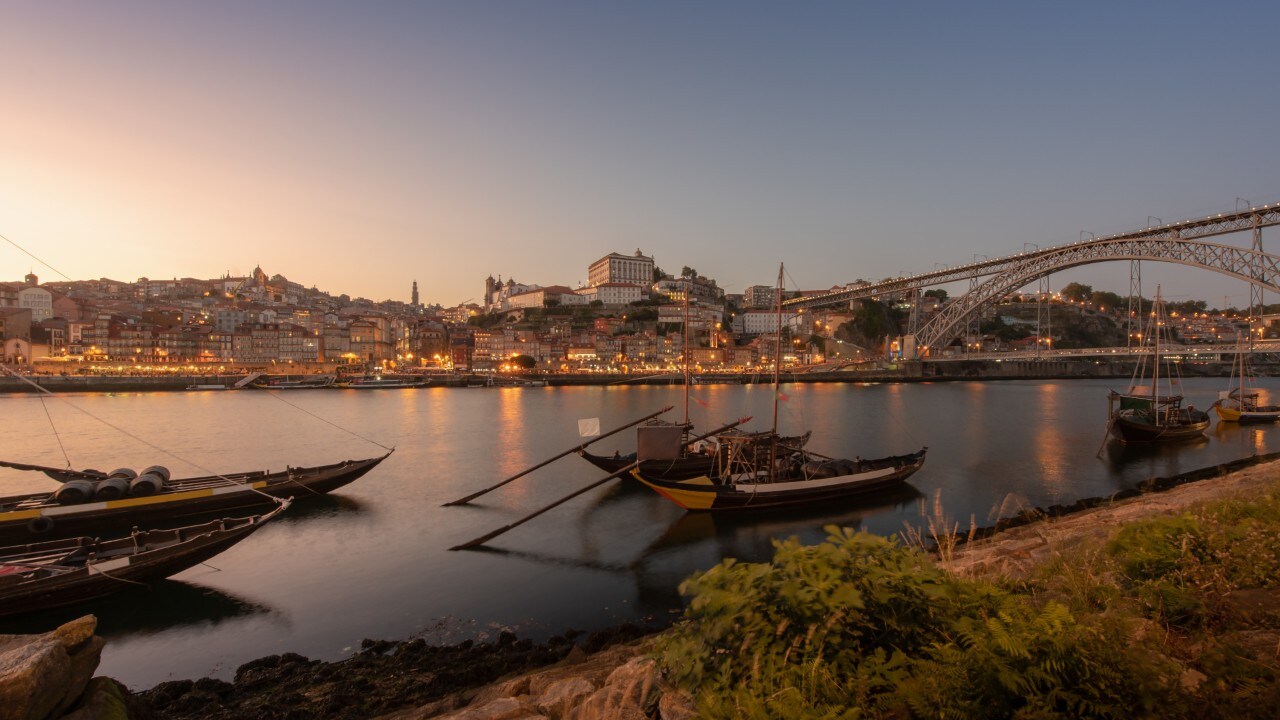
589,427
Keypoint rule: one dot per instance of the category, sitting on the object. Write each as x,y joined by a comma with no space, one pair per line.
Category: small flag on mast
589,427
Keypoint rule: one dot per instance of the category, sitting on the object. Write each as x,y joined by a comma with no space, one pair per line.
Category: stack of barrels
117,484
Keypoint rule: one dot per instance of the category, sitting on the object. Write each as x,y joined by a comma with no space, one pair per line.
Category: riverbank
958,370
410,679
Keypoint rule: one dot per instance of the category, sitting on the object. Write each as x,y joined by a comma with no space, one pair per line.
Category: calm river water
371,561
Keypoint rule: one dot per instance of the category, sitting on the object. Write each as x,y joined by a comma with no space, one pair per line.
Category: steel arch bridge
1181,242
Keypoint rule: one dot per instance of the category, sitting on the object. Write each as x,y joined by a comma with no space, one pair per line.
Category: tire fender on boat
40,524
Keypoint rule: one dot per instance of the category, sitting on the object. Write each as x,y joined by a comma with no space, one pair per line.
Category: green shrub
861,627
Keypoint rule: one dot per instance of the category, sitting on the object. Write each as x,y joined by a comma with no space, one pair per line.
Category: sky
358,147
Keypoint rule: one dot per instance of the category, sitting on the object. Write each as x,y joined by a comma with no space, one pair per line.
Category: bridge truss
1181,242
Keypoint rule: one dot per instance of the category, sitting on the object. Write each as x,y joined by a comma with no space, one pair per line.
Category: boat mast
1155,359
777,365
686,354
777,354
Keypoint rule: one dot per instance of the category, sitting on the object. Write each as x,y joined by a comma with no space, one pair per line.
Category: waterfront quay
916,371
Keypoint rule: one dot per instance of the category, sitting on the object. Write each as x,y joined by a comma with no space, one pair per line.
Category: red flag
783,396
700,403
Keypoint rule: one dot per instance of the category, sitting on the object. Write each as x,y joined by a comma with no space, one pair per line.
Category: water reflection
138,611
317,507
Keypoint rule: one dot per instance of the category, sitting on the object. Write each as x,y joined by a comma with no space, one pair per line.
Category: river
371,561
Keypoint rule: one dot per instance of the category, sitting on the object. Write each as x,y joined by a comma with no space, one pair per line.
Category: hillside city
628,318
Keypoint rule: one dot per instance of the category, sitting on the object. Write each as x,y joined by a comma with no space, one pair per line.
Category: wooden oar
486,538
544,463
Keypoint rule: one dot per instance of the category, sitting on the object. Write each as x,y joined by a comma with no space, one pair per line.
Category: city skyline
361,149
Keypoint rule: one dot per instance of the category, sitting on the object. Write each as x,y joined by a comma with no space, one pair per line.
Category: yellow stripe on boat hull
55,511
701,494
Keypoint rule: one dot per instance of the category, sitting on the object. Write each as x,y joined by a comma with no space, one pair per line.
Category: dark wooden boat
763,470
41,515
687,465
45,575
751,475
383,382
287,382
1147,419
1154,412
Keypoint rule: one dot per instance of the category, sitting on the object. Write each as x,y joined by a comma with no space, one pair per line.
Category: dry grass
940,534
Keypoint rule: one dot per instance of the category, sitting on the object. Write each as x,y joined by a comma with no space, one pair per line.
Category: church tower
415,293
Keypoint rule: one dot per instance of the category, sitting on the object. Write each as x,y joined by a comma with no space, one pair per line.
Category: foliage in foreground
862,627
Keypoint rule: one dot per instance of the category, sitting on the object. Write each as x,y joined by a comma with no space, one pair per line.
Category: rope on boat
126,433
275,394
33,257
55,431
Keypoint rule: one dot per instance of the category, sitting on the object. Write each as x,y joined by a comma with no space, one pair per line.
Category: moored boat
91,503
1240,403
1144,413
44,575
383,382
286,382
749,480
699,461
756,471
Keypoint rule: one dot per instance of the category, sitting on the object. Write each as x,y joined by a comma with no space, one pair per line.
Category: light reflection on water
371,561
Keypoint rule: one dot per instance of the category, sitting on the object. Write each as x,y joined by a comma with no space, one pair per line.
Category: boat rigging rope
33,257
276,395
128,434
55,431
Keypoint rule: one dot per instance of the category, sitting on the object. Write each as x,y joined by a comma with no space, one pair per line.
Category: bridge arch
1260,268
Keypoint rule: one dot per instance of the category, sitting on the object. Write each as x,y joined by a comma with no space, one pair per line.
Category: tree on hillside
524,362
1077,292
936,293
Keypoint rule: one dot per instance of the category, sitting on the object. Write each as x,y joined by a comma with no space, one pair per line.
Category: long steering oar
544,463
486,538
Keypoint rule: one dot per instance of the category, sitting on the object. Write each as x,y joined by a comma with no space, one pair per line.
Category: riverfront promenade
901,373
904,372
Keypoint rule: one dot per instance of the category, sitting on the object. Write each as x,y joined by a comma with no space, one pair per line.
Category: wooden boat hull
26,518
1132,430
705,494
1244,417
141,558
683,468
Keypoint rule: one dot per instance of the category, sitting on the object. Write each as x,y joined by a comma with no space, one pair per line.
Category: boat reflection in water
159,607
695,542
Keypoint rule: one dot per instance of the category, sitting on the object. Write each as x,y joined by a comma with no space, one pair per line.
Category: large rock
628,693
43,675
102,700
500,709
34,679
563,695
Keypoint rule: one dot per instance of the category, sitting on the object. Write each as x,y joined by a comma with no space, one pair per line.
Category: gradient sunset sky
360,146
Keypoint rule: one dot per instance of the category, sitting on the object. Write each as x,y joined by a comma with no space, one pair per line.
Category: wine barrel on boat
160,470
113,488
123,473
74,492
148,483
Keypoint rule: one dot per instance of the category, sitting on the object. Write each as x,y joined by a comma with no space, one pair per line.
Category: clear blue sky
361,146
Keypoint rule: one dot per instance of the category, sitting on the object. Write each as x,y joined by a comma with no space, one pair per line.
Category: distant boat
62,572
208,387
383,382
1144,413
1237,403
285,382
